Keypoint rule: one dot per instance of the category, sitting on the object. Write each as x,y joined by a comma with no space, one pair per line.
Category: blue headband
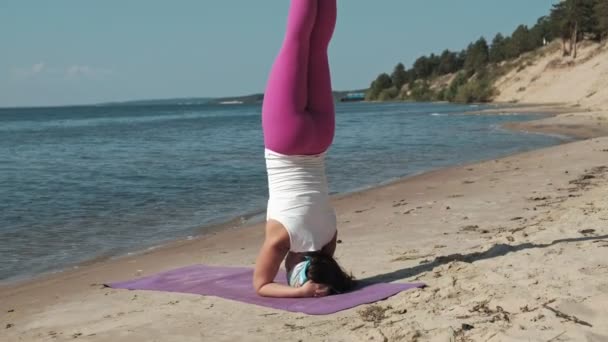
303,276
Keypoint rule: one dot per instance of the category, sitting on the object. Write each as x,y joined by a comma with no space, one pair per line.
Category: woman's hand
310,289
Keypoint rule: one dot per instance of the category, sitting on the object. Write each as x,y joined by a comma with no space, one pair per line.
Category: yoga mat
235,283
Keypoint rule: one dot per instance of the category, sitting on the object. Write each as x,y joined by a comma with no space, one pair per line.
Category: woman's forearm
280,291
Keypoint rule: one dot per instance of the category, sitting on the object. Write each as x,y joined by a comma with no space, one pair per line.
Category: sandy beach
512,249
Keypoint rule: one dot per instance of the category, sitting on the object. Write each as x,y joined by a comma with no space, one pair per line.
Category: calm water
83,182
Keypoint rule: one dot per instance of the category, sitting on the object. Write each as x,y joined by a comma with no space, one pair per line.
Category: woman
298,118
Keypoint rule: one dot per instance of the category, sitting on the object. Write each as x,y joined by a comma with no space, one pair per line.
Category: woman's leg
320,97
287,124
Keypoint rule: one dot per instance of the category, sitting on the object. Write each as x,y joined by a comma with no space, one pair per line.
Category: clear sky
74,52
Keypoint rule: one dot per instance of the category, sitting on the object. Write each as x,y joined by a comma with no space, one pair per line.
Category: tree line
570,21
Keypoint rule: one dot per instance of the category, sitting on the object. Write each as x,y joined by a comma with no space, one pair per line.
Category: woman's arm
274,249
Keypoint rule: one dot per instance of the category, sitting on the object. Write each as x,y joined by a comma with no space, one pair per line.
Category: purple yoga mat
235,283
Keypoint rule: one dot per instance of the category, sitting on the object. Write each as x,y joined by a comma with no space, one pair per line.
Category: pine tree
600,11
497,50
399,76
478,56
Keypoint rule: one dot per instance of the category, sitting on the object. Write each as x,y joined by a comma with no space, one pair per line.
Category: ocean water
78,183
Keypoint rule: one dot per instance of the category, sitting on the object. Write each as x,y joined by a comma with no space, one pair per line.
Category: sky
65,52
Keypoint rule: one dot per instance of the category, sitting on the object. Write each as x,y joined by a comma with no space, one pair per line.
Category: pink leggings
298,115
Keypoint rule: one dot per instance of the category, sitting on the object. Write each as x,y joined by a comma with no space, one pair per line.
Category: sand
547,77
513,249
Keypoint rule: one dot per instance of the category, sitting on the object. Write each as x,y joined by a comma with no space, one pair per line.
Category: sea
88,182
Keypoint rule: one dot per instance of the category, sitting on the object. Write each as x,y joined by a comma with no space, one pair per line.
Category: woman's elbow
258,286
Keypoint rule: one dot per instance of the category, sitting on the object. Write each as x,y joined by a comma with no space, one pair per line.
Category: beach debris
339,241
77,335
363,210
526,308
11,310
399,203
469,228
374,313
537,318
587,231
400,312
482,307
517,218
9,325
518,229
455,196
467,327
439,246
408,212
544,198
556,337
498,314
269,314
448,207
605,243
567,317
468,182
357,327
294,327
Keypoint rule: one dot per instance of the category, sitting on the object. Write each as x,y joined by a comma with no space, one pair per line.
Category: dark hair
325,270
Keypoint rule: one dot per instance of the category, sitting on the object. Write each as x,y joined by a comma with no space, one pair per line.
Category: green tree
421,91
572,19
422,68
458,81
434,62
383,81
600,11
541,32
498,49
520,41
448,63
399,76
388,94
560,25
479,88
478,55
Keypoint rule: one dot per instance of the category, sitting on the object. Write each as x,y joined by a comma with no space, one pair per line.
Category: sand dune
547,77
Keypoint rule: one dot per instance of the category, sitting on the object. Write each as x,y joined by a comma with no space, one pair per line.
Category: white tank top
299,199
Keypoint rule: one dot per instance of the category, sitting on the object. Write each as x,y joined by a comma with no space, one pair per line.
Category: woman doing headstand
298,118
